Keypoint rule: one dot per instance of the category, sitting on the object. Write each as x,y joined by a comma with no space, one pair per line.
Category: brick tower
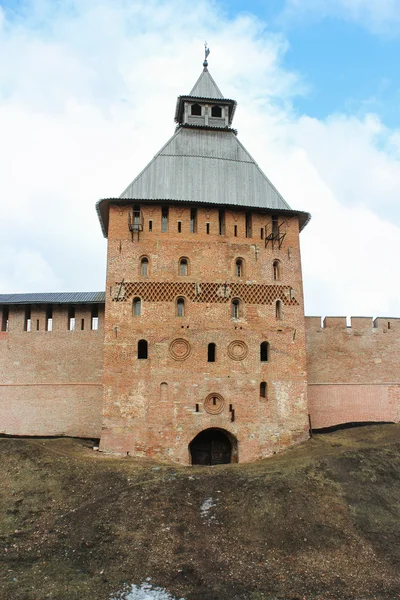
204,356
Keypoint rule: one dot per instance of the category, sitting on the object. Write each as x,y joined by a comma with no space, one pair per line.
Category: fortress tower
204,356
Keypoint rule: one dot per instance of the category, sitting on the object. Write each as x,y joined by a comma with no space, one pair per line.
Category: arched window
276,267
263,389
211,353
183,266
264,351
196,110
180,307
216,111
278,310
164,391
142,349
239,267
137,307
236,309
144,266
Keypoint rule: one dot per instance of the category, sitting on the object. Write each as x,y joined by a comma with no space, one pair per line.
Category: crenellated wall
353,371
50,381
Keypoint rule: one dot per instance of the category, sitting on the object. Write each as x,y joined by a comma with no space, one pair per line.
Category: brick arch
213,445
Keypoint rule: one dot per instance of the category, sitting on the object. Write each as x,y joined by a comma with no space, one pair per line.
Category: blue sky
318,90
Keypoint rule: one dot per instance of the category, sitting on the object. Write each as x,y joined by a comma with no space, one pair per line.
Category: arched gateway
213,447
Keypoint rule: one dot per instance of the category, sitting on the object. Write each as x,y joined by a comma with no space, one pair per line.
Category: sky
87,98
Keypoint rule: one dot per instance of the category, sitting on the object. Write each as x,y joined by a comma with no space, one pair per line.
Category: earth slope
319,521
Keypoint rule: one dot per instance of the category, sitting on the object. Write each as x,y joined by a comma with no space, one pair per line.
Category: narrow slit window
37,325
71,318
278,310
49,318
144,266
137,307
249,225
211,352
239,267
264,351
179,226
4,319
193,220
221,222
164,219
183,266
262,233
27,321
142,352
263,389
276,267
235,230
208,228
82,324
195,110
180,307
150,225
94,320
235,308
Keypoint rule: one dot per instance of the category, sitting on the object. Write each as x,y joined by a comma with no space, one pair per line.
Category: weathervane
206,53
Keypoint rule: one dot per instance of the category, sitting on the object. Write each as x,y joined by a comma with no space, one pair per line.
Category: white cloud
89,98
378,16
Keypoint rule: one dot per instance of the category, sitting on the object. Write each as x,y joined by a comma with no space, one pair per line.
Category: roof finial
206,53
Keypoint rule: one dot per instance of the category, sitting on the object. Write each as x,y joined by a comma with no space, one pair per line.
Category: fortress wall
51,381
353,372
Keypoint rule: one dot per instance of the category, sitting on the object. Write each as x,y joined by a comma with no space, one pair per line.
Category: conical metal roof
205,87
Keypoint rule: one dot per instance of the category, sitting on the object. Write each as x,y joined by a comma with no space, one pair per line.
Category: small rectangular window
208,228
262,233
221,222
150,225
28,322
179,226
164,219
211,353
193,220
71,318
4,319
95,317
235,231
49,318
248,225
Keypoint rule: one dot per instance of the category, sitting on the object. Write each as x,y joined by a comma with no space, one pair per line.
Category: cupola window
216,111
195,110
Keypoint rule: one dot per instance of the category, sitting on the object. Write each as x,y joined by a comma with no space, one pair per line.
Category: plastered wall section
353,371
155,407
50,381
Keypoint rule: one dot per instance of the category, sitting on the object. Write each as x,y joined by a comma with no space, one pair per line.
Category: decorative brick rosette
180,349
214,404
237,350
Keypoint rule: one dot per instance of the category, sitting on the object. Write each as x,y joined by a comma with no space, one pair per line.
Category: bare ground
318,522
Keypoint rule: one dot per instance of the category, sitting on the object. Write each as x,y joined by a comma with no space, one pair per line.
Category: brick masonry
50,381
156,406
353,372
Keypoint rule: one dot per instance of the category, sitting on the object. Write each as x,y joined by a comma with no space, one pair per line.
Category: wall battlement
355,323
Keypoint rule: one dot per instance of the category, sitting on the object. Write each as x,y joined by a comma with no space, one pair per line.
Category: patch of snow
143,592
205,508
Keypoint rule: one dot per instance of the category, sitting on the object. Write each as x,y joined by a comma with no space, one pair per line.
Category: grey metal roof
207,167
54,298
205,86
